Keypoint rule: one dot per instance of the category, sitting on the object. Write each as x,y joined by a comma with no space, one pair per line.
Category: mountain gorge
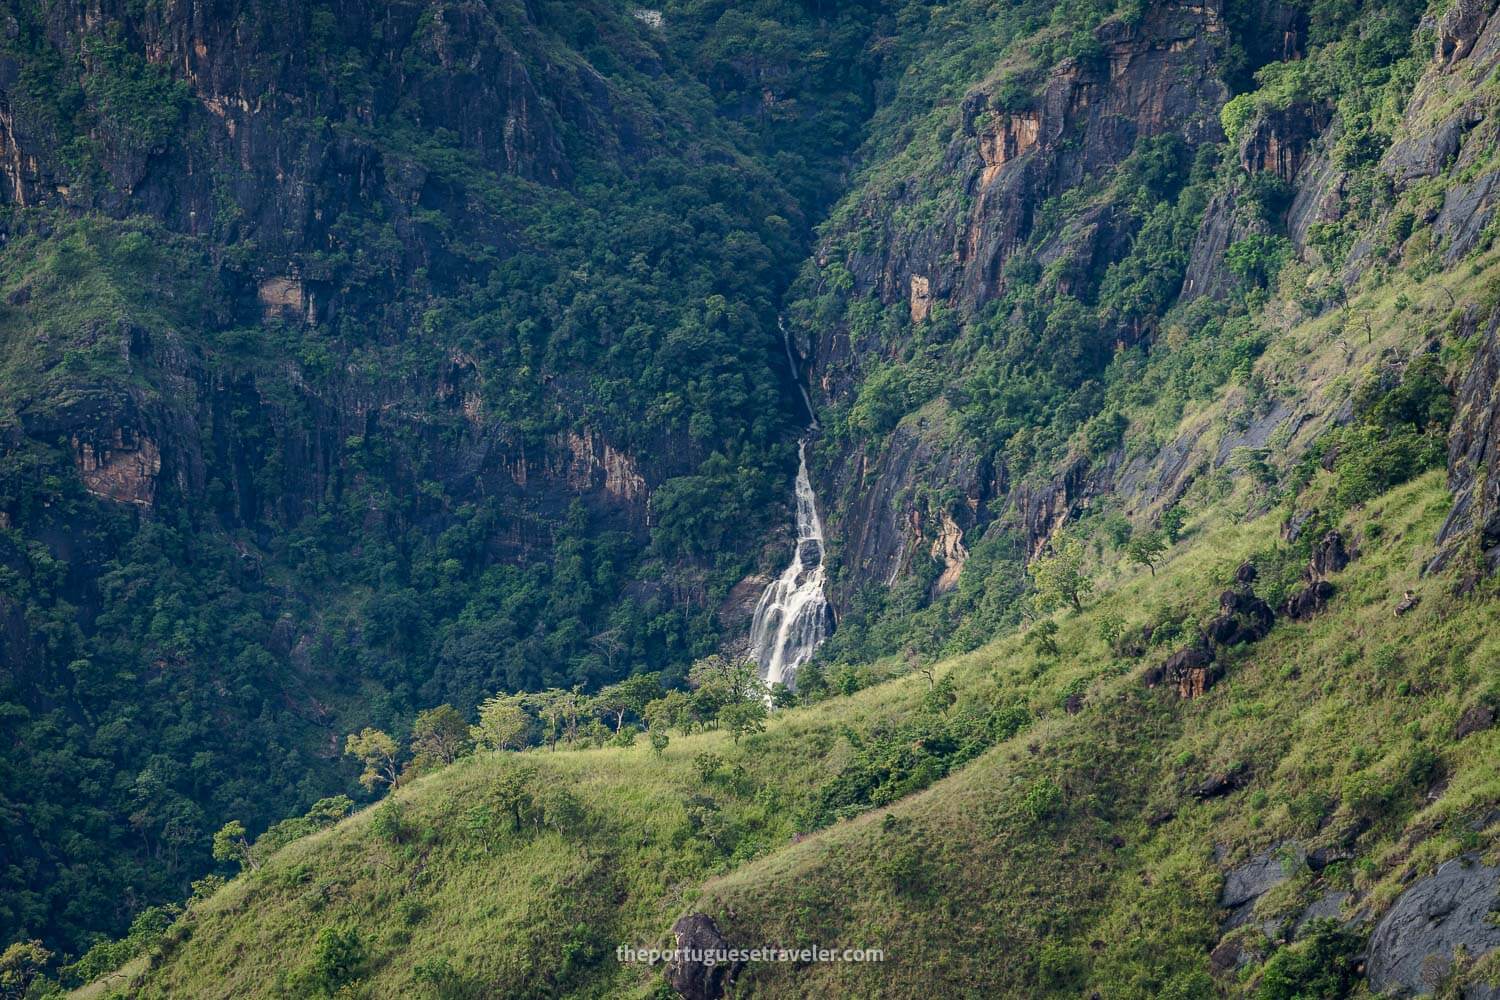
359,359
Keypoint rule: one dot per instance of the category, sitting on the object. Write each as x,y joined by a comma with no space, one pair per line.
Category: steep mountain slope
360,358
1029,308
1090,851
1188,303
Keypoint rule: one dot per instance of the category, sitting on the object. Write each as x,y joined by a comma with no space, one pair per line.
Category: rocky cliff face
275,134
1474,461
899,500
1151,77
273,126
1450,128
930,249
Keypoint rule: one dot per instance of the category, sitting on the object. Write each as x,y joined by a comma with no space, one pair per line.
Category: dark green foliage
1256,260
146,930
1322,965
636,301
889,763
1402,417
338,955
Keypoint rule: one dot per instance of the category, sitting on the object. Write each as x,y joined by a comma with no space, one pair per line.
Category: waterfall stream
792,616
791,360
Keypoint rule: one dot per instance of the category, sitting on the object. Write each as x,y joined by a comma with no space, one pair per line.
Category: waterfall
791,360
792,616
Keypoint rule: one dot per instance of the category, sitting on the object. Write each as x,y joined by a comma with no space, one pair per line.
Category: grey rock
1330,556
1190,670
1308,601
1413,945
1326,907
1474,459
700,980
1256,877
1459,28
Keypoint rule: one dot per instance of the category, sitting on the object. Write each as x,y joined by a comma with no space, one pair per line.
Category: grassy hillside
1073,855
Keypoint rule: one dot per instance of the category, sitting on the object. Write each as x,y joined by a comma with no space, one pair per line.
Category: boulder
1221,784
1243,617
1292,529
1308,601
1328,906
1329,556
1458,28
1476,719
693,972
1254,878
1414,944
1191,670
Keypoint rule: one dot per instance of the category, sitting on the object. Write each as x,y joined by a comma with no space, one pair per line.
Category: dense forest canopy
379,383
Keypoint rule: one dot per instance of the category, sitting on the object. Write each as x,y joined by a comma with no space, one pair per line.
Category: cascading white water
792,616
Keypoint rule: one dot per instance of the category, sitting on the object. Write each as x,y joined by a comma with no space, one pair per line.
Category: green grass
1005,877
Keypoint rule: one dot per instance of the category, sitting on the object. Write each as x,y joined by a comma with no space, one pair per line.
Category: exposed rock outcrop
1308,601
1280,141
1476,719
694,973
887,524
1154,76
124,469
1448,125
1414,944
1329,556
1242,617
1246,883
1474,461
1191,671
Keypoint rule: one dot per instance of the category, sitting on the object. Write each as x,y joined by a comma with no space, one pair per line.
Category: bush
338,955
1256,260
1322,966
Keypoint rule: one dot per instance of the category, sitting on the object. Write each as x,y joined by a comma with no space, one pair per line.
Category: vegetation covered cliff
367,368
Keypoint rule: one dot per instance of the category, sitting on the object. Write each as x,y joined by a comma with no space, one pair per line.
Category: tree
503,723
630,695
1146,548
659,741
744,717
230,844
1110,628
338,955
325,812
1257,259
727,681
1059,577
377,751
1043,635
550,709
20,964
915,665
675,709
610,643
439,736
1173,519
571,705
